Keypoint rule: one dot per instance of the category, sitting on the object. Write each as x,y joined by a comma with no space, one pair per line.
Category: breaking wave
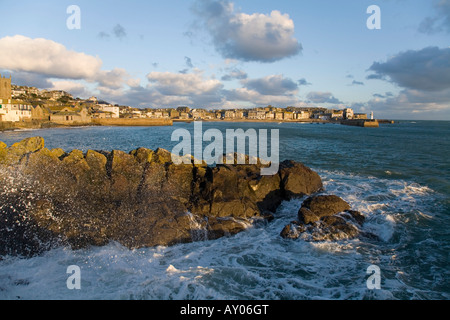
258,264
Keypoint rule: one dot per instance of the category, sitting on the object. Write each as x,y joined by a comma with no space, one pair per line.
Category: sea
397,176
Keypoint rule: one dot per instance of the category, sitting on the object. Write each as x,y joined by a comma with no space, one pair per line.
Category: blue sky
226,54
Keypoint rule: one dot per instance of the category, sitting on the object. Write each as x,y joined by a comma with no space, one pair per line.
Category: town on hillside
28,104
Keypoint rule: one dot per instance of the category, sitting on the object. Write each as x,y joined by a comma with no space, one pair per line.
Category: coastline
357,122
39,124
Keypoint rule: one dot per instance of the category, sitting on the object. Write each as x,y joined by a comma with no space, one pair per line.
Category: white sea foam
255,264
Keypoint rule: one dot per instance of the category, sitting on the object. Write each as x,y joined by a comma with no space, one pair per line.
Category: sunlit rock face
139,199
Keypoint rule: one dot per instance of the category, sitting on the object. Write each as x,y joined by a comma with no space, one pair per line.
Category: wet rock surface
139,199
324,218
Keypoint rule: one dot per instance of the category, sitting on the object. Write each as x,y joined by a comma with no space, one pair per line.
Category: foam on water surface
257,263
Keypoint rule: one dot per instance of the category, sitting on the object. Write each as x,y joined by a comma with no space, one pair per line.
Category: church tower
5,88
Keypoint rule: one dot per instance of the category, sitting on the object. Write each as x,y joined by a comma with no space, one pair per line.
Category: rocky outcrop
139,199
324,217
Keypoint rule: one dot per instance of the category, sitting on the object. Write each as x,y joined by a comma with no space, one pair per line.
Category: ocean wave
258,264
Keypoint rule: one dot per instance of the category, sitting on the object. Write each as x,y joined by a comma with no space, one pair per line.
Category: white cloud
177,84
42,56
258,99
322,97
423,75
248,37
410,99
114,79
235,74
270,90
275,85
56,67
75,88
427,69
44,60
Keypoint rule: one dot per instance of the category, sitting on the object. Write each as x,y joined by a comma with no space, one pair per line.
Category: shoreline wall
40,124
361,123
45,124
121,122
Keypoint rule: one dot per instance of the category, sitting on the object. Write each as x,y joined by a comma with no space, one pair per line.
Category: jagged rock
292,230
178,183
76,165
220,227
324,217
355,216
162,156
96,161
126,175
143,155
139,199
29,145
13,154
298,180
57,152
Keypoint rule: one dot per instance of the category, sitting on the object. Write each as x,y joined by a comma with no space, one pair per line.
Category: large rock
298,180
28,145
15,153
139,199
126,175
320,206
324,217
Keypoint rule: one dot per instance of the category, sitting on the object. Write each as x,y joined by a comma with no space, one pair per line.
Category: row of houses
268,113
18,92
13,111
184,113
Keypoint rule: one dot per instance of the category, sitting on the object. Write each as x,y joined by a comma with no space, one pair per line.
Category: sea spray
199,230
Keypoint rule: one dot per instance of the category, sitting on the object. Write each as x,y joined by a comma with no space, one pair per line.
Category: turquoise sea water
397,175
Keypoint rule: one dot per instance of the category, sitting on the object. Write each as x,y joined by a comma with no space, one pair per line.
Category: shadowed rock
324,217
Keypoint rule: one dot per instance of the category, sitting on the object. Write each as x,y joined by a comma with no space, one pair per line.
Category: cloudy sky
237,53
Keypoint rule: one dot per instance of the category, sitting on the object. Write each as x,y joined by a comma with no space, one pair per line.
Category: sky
236,54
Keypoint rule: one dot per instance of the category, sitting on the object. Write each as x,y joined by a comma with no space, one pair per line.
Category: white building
157,114
17,92
138,114
348,113
303,115
14,112
270,115
93,99
115,111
